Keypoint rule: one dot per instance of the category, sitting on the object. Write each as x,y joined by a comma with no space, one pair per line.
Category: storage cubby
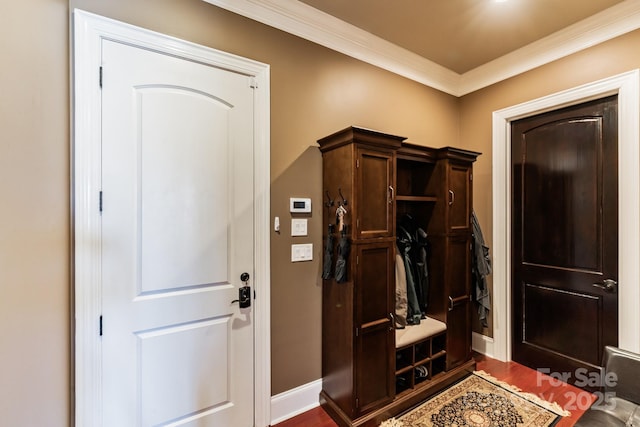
421,354
412,178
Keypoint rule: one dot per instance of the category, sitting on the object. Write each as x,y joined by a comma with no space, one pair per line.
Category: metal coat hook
344,201
330,201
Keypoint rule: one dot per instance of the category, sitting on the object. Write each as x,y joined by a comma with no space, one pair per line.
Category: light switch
299,226
303,252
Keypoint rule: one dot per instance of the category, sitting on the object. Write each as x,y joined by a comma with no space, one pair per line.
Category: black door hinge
100,201
101,325
100,77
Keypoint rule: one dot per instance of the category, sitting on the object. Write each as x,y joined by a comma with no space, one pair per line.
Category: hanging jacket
412,246
402,304
481,268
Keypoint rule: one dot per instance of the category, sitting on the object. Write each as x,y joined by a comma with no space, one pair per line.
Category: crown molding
304,21
608,24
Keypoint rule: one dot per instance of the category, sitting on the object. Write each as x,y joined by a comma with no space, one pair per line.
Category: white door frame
88,32
627,87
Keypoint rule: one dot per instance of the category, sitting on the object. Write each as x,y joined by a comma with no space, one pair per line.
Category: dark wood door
459,301
459,197
375,194
375,333
565,238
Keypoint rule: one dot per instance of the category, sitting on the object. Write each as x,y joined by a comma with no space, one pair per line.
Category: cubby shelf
429,353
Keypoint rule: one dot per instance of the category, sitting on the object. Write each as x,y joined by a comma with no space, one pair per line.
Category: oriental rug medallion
480,400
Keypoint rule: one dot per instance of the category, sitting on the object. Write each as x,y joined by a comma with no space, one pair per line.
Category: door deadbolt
244,292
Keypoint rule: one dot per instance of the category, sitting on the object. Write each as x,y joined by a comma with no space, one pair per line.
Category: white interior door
177,233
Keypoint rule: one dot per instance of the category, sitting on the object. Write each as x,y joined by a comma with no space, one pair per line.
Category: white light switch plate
302,252
298,226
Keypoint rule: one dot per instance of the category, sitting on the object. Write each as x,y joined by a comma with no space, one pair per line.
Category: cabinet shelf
430,199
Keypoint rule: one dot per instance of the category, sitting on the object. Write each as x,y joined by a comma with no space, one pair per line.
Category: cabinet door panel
458,265
374,282
459,197
458,334
375,208
374,368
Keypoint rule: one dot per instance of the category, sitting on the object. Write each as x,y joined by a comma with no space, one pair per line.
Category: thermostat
299,205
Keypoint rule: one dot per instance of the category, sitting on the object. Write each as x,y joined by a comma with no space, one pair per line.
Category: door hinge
100,77
470,177
357,163
357,403
253,83
357,260
357,331
100,201
101,325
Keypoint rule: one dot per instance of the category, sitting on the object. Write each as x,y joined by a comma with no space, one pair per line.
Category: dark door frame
627,87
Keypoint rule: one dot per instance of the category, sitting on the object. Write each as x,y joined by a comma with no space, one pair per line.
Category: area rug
480,400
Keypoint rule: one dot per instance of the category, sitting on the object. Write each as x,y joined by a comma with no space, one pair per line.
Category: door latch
244,292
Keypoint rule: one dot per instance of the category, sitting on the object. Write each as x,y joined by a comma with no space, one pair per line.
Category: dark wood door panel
375,206
458,197
375,384
558,179
545,308
373,285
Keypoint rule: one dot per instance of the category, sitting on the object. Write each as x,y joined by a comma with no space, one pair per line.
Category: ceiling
461,34
457,46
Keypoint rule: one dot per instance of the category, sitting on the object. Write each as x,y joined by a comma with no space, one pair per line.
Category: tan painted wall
607,59
314,92
34,214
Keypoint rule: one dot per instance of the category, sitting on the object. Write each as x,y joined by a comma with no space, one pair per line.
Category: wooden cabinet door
458,197
375,335
458,273
375,194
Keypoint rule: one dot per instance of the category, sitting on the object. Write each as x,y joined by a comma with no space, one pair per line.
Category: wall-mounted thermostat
299,205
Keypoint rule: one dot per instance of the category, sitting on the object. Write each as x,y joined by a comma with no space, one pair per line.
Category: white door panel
183,220
177,225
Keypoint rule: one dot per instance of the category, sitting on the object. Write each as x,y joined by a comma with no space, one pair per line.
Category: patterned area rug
480,400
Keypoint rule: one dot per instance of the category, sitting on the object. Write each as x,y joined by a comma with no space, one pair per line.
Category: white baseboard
295,401
482,344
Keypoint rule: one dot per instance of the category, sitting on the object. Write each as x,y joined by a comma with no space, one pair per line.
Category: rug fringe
392,422
551,406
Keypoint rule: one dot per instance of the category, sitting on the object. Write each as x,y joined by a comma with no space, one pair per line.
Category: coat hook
344,201
329,201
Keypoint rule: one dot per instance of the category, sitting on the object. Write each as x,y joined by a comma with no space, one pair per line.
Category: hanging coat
401,292
344,246
328,257
481,268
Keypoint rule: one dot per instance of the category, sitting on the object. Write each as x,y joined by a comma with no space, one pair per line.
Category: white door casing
93,36
627,87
